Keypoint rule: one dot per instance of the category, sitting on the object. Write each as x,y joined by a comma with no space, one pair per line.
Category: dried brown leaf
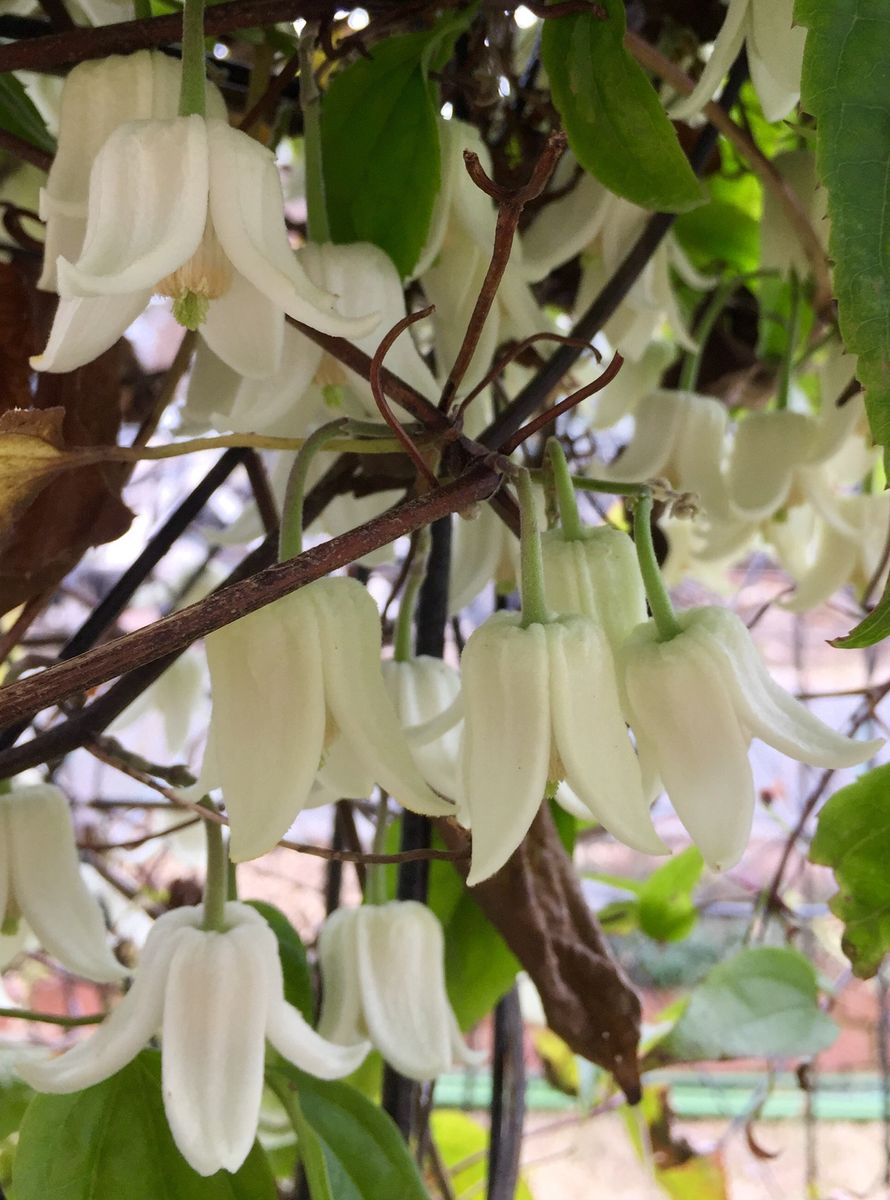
536,904
74,508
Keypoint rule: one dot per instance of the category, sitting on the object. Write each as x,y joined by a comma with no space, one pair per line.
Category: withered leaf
536,904
30,454
65,511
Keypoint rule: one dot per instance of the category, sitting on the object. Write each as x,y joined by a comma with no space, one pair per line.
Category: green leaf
365,1155
761,1003
853,838
380,143
720,234
298,989
615,123
112,1141
463,1143
666,909
19,116
844,86
871,630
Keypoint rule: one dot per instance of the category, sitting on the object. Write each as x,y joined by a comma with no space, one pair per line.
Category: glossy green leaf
615,123
666,909
853,838
298,989
112,1141
365,1155
844,86
19,116
720,235
761,1003
380,143
871,630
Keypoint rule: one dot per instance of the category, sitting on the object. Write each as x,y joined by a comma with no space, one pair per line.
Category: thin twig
98,750
510,206
542,420
790,202
380,399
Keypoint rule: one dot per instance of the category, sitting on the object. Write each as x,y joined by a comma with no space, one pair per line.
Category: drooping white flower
40,881
363,279
824,556
422,689
383,976
774,46
776,458
214,998
286,680
602,227
540,705
695,703
483,549
191,209
679,436
781,249
97,97
597,576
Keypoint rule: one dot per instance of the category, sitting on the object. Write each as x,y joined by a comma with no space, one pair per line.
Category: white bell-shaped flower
695,703
363,279
822,556
383,977
774,45
191,209
541,704
597,576
679,436
781,249
775,457
97,97
286,680
40,881
482,550
592,221
214,999
425,693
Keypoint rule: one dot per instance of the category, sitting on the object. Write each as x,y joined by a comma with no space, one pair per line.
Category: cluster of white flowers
583,690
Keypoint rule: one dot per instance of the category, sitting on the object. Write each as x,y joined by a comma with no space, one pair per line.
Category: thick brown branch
28,696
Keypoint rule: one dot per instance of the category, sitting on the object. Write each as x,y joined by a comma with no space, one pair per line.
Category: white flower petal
768,447
401,973
268,719
596,576
506,746
590,735
729,42
131,1024
147,208
765,708
364,279
565,226
422,689
775,56
477,548
350,635
215,1009
298,1042
245,329
682,708
85,328
46,882
247,211
341,1019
